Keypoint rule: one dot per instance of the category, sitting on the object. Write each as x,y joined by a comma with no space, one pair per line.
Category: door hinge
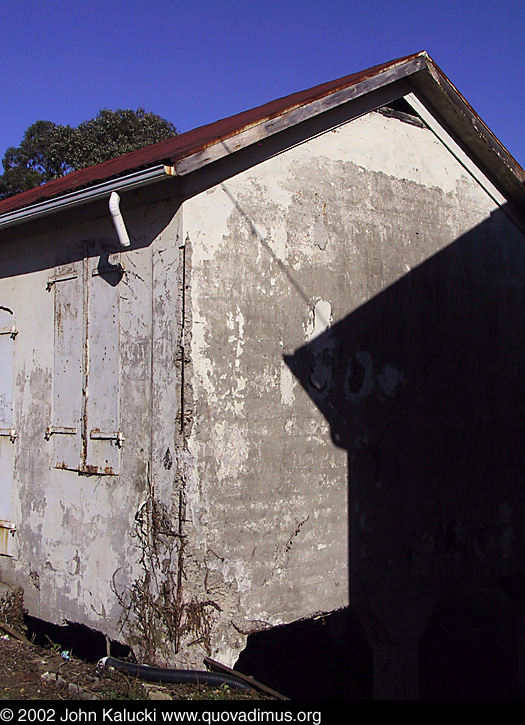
99,435
10,433
59,430
60,278
9,331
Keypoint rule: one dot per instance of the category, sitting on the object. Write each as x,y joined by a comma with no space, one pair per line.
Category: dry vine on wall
162,619
154,606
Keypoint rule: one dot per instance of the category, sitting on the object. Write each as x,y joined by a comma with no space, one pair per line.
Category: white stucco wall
237,485
280,253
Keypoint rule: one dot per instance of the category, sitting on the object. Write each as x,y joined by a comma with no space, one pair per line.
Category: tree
114,133
42,156
48,151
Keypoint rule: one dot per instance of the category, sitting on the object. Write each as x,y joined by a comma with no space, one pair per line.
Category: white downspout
118,221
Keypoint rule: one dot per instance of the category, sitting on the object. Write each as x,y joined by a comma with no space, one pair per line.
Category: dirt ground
32,672
29,672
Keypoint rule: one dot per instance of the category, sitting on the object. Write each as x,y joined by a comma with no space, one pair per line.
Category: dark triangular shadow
424,386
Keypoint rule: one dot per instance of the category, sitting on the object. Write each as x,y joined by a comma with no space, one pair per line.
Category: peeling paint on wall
264,375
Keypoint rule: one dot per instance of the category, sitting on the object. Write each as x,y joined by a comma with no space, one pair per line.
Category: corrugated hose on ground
159,674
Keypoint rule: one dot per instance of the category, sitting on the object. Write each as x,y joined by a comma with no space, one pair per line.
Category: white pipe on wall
118,221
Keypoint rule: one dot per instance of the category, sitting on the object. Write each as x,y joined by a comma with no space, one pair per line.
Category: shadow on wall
424,386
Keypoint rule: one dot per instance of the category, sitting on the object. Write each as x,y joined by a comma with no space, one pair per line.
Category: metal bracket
60,278
58,430
98,435
108,269
10,433
9,331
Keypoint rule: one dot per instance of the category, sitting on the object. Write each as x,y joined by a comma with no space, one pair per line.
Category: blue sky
194,62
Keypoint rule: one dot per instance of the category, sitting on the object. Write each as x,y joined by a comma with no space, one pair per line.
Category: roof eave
83,196
295,114
468,129
429,82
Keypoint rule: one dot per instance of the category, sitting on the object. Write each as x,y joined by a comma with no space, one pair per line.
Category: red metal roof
185,144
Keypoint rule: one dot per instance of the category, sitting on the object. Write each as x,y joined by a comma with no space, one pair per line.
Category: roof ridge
169,150
172,151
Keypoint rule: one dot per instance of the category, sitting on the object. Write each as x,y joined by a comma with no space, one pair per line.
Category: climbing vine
154,604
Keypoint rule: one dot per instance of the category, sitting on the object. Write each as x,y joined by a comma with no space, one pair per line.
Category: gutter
223,138
84,196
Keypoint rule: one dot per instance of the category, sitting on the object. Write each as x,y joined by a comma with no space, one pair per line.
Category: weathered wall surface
281,256
314,367
77,548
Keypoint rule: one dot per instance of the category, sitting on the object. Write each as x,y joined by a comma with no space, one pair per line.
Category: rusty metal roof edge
293,114
469,128
82,196
276,108
121,172
42,198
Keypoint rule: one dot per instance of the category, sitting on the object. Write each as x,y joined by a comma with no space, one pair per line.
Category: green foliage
49,151
42,156
114,133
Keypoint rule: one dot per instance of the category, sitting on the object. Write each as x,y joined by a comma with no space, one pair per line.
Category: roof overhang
72,199
193,150
461,121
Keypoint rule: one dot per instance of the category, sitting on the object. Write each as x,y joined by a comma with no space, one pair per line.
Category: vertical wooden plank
102,413
65,429
167,291
6,424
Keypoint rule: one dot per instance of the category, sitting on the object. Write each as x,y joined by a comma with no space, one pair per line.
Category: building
272,369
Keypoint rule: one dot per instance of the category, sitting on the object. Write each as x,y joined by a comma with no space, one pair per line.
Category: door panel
85,426
7,431
103,437
65,429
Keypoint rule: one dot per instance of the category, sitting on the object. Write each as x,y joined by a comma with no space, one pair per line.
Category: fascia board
461,121
257,133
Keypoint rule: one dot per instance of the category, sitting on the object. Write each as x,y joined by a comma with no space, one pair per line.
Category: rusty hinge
60,278
59,430
9,432
99,435
9,331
